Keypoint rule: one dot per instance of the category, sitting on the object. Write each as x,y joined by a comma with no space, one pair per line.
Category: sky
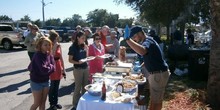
62,9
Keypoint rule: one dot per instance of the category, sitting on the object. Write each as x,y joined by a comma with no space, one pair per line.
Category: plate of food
139,78
128,85
96,89
105,56
120,97
88,59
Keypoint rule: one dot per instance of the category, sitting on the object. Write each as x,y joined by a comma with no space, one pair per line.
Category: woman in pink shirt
96,49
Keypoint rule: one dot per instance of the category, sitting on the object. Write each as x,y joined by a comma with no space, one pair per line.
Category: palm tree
213,87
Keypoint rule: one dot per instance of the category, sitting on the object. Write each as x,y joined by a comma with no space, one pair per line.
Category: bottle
103,96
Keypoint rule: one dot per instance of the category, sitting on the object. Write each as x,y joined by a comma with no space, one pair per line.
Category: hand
80,62
126,34
64,75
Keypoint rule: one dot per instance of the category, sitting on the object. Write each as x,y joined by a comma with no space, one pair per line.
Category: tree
213,89
77,20
53,22
123,22
38,22
97,17
26,18
5,18
165,11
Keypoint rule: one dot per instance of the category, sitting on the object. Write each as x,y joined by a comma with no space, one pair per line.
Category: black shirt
78,53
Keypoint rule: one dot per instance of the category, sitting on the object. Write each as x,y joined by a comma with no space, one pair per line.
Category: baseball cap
135,30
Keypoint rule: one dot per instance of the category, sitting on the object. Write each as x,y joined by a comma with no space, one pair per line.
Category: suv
10,37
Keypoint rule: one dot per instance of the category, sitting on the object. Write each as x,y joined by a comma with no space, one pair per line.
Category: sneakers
52,107
55,107
74,108
59,106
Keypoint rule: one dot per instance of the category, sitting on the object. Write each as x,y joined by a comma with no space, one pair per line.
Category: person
177,38
104,33
26,32
58,74
31,39
88,34
152,33
190,37
118,34
78,29
40,68
114,47
96,49
78,51
154,63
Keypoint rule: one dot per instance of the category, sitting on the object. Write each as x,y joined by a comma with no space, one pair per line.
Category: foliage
38,22
100,17
97,17
5,18
164,11
74,21
26,18
123,22
53,22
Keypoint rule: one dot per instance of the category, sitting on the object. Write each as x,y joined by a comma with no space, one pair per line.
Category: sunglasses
97,38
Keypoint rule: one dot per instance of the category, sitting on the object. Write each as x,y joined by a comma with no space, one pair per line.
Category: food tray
120,67
117,69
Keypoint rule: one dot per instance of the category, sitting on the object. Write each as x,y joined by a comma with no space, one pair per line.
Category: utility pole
43,5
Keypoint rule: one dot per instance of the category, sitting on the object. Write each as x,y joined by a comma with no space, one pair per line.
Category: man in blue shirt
154,63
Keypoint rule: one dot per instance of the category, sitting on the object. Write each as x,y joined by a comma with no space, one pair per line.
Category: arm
44,65
27,41
73,61
136,47
61,58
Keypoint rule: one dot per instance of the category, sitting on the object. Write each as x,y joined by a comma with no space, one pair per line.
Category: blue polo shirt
153,59
78,53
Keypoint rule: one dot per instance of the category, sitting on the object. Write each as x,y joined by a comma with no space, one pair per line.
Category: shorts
157,83
39,86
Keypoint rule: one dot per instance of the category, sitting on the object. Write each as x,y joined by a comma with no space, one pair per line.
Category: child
58,74
41,66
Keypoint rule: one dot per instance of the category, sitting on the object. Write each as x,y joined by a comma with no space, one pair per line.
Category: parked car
10,37
62,31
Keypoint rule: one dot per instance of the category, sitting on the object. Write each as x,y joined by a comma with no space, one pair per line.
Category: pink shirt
96,65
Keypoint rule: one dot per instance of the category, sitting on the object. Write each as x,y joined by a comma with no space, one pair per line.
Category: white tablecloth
88,102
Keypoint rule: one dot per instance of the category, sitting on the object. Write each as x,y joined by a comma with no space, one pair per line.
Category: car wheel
23,46
7,44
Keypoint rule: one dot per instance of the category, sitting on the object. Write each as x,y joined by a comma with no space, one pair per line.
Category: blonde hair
53,35
40,43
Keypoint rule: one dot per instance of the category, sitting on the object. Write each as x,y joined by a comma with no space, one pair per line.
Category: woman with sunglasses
96,49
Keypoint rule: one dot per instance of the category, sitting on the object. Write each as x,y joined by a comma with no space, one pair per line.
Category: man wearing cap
78,28
154,63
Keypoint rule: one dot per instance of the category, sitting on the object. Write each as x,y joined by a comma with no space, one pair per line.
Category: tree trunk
168,32
213,87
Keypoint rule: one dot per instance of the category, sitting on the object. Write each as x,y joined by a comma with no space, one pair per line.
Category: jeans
53,92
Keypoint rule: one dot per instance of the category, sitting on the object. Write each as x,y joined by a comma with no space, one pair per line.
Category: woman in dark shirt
78,51
41,66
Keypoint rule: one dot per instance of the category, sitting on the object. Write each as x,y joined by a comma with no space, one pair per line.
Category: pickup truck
10,37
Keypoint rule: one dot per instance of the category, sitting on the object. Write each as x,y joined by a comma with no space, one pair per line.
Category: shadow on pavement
13,72
66,90
28,91
13,87
69,69
12,50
